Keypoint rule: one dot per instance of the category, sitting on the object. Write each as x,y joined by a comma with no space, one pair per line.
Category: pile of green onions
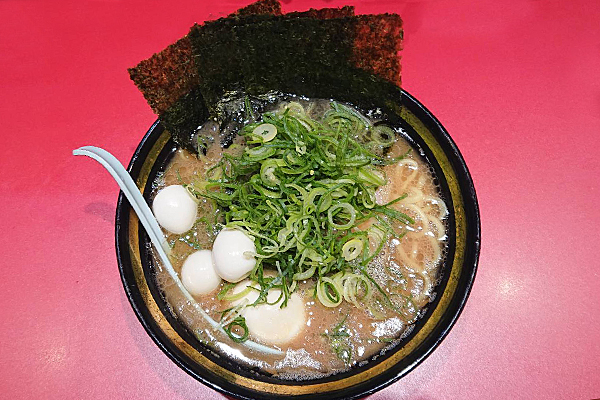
300,188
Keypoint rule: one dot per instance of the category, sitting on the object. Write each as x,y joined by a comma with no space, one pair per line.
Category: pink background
515,82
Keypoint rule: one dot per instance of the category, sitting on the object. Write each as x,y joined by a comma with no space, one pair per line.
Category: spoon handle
130,189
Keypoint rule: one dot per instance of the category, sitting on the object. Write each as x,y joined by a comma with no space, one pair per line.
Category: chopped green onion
352,249
349,214
267,171
339,340
300,188
239,322
223,292
259,153
371,175
328,293
302,276
239,295
265,132
383,135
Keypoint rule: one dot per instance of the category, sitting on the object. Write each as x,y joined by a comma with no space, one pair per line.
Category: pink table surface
515,82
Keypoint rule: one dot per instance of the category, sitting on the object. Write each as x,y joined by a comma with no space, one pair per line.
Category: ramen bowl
228,376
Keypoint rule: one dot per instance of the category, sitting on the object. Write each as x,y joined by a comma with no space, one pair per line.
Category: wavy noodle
427,285
413,166
422,181
407,261
420,251
437,250
443,210
439,227
414,196
418,211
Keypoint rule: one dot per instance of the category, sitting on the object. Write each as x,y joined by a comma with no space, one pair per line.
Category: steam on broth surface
352,307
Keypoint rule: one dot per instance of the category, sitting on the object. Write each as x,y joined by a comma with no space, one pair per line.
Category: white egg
198,273
175,209
232,254
270,323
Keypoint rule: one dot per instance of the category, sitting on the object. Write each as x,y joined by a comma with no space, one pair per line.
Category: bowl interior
428,137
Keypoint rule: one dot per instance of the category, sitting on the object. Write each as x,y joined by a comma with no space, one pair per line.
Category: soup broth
402,273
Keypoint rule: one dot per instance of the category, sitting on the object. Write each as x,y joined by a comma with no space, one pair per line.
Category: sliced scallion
301,187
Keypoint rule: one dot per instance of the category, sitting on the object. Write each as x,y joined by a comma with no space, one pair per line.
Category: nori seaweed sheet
284,54
216,54
169,81
356,86
260,7
327,53
166,76
301,47
225,54
217,57
266,52
324,13
184,116
377,45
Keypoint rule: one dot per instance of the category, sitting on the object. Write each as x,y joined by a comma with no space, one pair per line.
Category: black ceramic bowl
225,375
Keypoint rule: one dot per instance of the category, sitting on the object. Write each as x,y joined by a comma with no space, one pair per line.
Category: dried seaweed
377,44
256,44
171,73
323,13
260,7
267,52
183,117
318,53
166,76
283,54
169,80
217,57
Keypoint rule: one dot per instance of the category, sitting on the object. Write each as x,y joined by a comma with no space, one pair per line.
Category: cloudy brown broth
337,338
